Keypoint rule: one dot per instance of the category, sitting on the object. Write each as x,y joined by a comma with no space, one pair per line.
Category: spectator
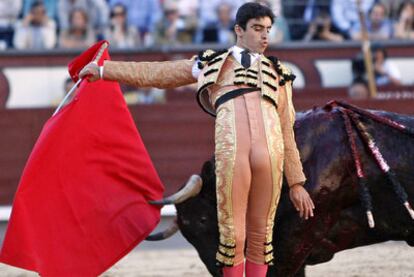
188,8
36,30
143,15
386,73
221,31
172,29
321,29
344,14
97,12
393,7
359,89
79,34
293,11
300,13
208,10
404,27
314,8
378,25
9,12
50,6
119,33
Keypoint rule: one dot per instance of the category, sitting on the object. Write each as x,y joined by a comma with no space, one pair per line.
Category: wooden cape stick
96,60
366,50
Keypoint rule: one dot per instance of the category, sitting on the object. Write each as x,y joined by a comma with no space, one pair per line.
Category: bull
332,180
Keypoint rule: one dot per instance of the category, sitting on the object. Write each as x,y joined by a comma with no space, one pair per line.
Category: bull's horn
409,209
371,221
192,188
168,232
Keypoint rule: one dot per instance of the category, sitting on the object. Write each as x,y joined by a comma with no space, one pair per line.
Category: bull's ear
209,179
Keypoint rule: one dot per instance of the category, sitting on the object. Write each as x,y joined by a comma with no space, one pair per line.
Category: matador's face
256,36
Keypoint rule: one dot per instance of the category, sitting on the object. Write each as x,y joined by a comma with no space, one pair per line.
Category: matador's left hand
302,201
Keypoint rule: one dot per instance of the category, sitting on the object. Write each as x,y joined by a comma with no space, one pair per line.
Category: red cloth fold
82,203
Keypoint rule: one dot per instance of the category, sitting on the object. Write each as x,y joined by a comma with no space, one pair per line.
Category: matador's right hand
90,72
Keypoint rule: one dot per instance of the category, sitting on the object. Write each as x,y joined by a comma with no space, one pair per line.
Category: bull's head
196,216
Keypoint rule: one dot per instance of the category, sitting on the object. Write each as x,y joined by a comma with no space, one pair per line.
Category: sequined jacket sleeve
164,75
292,165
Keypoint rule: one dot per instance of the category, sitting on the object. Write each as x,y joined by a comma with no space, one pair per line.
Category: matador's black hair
252,10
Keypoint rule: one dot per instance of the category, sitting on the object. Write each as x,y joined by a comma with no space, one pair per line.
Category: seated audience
143,15
9,13
392,7
79,34
293,11
207,11
188,8
299,14
36,30
404,26
96,10
344,14
172,29
220,31
120,34
378,25
386,72
321,29
50,6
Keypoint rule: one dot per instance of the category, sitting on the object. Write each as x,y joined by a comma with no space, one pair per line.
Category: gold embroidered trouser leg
247,192
266,162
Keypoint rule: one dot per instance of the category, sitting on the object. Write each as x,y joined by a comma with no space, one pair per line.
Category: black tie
245,59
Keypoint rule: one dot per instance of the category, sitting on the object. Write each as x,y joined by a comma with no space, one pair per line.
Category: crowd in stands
47,24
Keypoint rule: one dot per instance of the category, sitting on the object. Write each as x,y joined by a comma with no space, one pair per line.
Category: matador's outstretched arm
164,75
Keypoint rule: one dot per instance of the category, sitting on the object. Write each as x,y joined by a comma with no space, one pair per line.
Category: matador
251,97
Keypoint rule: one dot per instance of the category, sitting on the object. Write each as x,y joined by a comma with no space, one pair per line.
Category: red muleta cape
82,201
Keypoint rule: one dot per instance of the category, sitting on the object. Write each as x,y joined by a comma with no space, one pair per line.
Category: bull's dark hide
340,222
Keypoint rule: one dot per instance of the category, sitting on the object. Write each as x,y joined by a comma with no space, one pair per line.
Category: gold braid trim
224,260
225,154
240,74
276,151
268,241
269,258
269,81
228,252
268,248
228,242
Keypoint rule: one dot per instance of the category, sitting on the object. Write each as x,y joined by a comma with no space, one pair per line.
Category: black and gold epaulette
208,57
285,74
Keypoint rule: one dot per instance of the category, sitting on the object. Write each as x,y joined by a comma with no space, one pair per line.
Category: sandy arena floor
394,259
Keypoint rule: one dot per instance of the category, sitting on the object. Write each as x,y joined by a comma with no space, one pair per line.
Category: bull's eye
203,219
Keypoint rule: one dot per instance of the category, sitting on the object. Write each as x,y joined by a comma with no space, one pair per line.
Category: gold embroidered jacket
275,83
